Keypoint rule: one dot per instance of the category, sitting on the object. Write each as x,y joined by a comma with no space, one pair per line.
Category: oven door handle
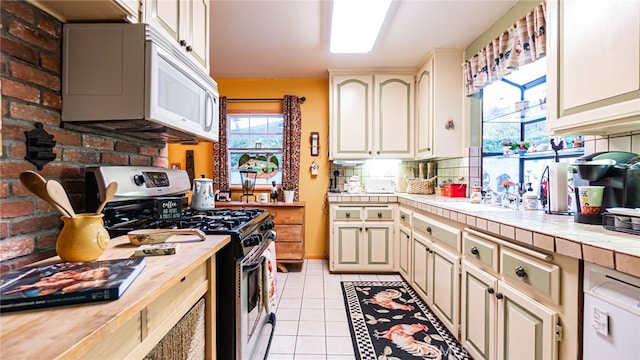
272,321
253,265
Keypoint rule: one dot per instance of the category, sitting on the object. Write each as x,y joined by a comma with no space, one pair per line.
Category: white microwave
128,79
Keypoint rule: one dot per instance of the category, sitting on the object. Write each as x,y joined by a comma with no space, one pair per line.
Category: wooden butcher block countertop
119,328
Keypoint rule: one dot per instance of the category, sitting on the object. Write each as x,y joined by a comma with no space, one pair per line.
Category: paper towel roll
558,186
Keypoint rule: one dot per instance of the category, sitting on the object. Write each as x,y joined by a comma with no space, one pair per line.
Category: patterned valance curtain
220,154
522,43
291,142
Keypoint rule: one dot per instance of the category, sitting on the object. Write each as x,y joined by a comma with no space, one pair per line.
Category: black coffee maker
618,172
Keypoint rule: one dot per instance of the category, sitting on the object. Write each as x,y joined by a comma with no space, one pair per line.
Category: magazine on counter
67,283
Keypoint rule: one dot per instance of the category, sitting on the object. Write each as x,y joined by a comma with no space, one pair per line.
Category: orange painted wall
315,117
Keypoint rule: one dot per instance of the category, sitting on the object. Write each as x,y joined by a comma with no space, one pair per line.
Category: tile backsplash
622,142
465,170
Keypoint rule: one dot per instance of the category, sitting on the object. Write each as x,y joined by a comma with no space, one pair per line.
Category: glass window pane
255,142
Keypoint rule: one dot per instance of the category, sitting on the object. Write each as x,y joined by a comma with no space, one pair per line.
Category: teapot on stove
202,196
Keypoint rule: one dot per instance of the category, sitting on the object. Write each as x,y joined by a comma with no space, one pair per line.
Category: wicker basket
421,186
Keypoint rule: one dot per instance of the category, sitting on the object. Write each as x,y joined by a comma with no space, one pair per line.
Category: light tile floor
311,320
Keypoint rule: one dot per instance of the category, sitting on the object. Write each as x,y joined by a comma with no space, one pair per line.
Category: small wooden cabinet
289,227
361,238
592,91
371,115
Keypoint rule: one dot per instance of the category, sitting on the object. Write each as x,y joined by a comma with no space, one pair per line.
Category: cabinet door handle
407,236
520,271
378,152
348,215
474,250
499,296
366,229
402,216
379,214
429,229
369,152
183,42
490,290
189,48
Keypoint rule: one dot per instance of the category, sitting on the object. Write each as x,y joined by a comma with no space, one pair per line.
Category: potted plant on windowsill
289,190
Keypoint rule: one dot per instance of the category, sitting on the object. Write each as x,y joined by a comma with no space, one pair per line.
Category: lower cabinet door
347,246
404,253
478,312
525,327
444,289
421,266
378,251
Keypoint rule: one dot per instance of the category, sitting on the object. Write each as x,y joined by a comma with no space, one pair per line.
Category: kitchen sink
469,207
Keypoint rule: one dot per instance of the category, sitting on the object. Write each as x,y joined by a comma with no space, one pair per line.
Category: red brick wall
30,63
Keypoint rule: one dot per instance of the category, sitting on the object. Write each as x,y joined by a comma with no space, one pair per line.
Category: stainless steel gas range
150,197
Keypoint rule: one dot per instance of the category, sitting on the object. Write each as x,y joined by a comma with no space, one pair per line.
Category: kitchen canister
476,195
82,238
530,200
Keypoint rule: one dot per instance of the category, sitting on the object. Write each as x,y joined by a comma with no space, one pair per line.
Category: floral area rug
389,321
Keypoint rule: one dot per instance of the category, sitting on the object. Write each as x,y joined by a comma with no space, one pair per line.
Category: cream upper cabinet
185,22
90,11
423,112
371,115
593,72
439,105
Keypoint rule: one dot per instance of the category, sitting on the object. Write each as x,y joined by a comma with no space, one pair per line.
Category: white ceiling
290,38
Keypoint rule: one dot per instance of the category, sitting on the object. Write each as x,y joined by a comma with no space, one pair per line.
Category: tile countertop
555,233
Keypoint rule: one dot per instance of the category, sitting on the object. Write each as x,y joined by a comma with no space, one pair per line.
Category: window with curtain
255,142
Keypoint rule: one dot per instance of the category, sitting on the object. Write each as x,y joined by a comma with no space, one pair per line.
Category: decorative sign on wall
315,143
39,146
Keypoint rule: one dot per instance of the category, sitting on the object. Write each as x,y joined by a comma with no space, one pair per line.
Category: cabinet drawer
404,218
522,269
289,232
287,215
482,251
161,309
445,234
421,225
289,250
347,214
378,214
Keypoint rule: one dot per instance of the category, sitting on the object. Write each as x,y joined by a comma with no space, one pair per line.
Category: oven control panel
138,182
152,179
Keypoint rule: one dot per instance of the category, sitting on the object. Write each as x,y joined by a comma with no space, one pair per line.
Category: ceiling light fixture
355,24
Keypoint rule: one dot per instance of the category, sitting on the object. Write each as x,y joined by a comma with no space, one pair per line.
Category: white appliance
127,78
380,186
611,314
